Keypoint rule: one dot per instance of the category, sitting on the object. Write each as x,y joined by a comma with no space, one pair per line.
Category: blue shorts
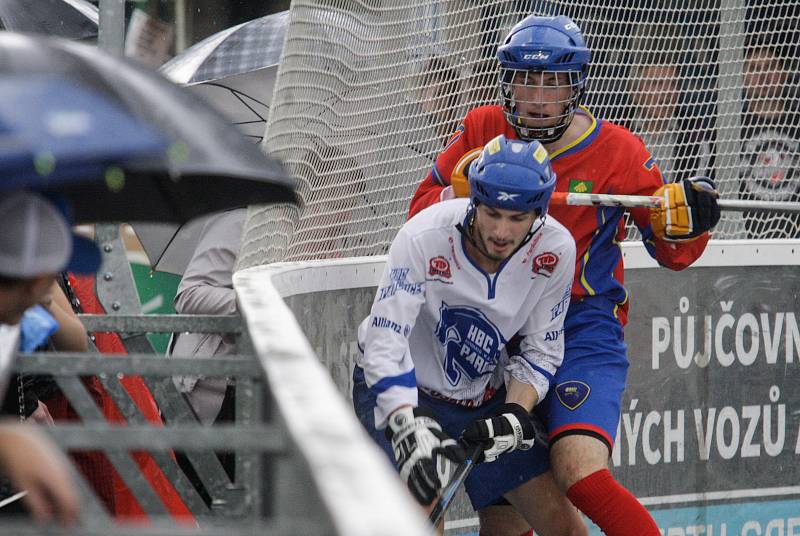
587,392
488,481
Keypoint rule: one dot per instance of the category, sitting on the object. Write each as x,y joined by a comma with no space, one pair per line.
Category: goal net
369,91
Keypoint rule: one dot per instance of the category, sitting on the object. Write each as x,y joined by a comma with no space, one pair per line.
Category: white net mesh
368,92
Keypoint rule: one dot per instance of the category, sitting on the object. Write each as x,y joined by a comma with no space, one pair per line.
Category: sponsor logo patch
493,146
580,187
383,322
572,394
545,263
399,283
650,164
439,266
561,306
505,196
540,154
537,55
552,335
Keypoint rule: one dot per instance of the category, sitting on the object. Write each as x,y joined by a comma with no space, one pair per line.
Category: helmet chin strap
467,232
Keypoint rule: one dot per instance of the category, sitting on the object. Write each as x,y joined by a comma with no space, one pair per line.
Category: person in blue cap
36,243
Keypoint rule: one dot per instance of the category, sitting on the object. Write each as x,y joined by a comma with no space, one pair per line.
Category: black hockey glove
688,209
426,456
511,429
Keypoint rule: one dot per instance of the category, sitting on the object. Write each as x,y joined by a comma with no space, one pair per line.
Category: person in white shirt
465,335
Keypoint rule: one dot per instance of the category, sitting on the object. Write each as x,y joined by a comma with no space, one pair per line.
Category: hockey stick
651,201
449,492
13,498
463,470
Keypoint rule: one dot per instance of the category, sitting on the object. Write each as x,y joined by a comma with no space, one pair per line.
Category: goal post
368,92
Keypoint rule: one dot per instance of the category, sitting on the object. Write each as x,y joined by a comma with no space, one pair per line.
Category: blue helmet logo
471,342
545,44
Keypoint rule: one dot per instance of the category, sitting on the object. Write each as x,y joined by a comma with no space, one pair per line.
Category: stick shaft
449,492
651,201
12,498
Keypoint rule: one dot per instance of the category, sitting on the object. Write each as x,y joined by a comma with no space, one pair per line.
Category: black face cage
533,81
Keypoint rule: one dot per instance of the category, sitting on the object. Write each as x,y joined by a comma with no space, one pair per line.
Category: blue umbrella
209,165
54,132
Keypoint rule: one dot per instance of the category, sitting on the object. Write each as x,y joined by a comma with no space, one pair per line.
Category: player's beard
482,244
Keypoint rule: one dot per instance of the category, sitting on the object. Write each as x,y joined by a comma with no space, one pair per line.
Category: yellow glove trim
458,179
673,219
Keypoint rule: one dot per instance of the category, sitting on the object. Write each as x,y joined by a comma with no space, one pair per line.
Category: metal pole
111,30
181,27
729,104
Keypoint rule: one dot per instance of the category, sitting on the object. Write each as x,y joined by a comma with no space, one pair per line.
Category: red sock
612,508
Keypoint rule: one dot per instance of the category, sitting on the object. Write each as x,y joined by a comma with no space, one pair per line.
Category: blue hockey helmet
512,175
535,46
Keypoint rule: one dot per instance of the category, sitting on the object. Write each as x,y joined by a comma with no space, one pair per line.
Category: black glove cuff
516,409
703,204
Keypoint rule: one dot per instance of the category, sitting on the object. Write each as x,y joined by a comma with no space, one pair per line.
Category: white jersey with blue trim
441,324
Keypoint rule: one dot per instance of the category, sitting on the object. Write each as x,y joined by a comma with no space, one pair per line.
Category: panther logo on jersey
472,343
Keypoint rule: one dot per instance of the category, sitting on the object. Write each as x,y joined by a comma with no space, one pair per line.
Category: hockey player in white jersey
462,278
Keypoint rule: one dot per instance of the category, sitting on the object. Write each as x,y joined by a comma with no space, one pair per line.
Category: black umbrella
209,165
73,19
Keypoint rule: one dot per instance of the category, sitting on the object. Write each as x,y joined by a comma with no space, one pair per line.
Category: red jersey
606,159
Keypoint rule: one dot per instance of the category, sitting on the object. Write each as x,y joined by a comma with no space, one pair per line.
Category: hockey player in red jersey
544,65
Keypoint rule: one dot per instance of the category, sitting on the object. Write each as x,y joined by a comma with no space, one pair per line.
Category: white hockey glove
426,456
511,429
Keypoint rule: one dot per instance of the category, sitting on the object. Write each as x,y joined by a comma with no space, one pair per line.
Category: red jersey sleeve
645,178
479,126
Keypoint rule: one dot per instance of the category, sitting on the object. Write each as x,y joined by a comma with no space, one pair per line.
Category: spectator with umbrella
172,158
235,70
35,244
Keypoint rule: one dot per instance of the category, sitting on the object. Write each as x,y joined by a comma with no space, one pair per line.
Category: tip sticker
540,154
493,146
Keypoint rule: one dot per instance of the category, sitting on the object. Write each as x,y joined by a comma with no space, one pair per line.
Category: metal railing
258,437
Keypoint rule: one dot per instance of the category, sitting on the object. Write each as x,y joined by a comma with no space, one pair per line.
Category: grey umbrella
169,247
235,70
209,166
73,19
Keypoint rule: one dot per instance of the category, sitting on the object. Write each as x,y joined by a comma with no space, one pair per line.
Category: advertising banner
709,436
